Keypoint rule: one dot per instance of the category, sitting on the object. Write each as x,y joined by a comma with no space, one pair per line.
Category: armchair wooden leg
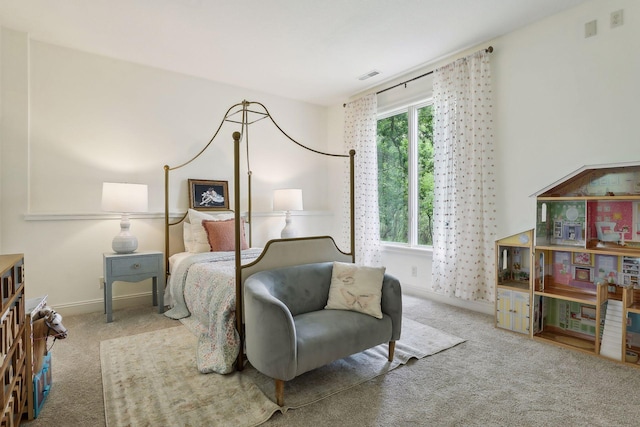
280,392
392,348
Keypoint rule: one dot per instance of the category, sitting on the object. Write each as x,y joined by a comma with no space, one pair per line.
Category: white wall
561,101
72,120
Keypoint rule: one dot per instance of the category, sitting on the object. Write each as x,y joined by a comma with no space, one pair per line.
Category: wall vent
370,74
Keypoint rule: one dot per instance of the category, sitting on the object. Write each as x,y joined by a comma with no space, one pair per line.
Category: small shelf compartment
570,318
514,282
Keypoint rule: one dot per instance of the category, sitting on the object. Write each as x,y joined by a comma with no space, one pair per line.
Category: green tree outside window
396,151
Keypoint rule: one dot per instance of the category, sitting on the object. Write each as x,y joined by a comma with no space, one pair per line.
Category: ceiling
309,50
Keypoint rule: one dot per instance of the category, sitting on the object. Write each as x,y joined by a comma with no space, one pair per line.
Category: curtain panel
465,188
360,134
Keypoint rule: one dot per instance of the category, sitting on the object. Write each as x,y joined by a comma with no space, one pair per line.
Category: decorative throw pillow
221,235
199,240
356,288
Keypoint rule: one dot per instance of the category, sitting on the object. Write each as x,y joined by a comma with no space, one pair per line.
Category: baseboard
93,306
482,307
145,298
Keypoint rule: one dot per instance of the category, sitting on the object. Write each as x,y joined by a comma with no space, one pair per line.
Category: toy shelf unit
13,393
586,255
514,282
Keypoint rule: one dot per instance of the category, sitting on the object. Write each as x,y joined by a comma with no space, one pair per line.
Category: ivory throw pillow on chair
356,288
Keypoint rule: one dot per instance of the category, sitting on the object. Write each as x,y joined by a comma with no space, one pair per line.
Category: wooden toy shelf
13,393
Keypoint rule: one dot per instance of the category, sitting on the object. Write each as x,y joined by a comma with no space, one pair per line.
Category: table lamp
287,200
124,198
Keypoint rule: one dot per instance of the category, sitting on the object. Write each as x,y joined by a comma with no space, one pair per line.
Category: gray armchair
288,331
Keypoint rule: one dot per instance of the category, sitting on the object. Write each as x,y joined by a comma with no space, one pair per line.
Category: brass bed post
249,210
166,223
352,198
249,195
238,257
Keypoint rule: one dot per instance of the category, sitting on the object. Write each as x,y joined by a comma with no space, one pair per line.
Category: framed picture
583,274
582,258
208,195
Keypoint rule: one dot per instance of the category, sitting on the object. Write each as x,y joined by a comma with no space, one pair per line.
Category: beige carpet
150,379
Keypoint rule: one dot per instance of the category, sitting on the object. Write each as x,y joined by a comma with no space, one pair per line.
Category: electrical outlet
414,271
590,28
617,18
100,282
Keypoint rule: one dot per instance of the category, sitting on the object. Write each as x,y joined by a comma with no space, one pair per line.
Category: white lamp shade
124,197
287,199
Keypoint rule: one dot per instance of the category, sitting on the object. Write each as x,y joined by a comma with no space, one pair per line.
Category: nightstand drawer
127,266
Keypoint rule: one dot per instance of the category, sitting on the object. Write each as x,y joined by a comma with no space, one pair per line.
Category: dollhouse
583,289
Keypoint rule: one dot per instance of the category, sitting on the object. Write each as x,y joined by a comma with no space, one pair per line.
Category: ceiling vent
370,74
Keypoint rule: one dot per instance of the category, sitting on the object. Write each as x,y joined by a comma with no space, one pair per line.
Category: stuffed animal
53,320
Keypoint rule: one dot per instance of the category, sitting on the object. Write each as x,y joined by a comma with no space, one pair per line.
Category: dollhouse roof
597,180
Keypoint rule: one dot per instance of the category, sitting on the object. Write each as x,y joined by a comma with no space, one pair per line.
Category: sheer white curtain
360,134
465,194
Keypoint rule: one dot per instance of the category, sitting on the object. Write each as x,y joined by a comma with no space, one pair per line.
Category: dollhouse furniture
289,331
584,293
605,232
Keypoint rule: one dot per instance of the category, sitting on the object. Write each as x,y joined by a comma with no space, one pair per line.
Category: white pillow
199,240
187,237
356,288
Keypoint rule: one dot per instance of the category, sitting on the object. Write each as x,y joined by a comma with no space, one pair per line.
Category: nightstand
133,267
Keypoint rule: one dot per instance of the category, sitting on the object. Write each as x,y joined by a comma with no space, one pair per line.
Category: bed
204,287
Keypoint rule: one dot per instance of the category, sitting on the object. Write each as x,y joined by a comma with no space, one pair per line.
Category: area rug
151,379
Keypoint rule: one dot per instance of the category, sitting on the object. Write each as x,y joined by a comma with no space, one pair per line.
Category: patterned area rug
151,379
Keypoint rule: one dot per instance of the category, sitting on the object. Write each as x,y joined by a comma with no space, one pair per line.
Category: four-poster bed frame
278,252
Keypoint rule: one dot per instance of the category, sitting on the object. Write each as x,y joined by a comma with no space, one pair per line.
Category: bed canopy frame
244,114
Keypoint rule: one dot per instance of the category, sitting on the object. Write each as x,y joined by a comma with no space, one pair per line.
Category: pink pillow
221,235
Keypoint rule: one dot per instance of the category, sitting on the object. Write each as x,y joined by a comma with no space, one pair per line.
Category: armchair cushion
356,288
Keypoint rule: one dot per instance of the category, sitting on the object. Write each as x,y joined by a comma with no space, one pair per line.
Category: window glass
425,175
393,185
405,175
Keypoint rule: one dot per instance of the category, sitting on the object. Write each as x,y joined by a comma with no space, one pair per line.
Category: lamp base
124,242
289,230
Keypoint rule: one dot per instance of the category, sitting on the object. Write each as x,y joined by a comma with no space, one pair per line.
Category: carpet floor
495,378
144,387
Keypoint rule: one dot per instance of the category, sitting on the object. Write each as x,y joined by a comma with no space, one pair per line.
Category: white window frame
412,117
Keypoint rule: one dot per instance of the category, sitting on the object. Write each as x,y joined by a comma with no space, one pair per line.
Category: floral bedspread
203,291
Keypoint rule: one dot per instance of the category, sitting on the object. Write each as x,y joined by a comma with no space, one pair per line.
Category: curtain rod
488,50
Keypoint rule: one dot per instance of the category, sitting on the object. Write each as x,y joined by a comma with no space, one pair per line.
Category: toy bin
41,385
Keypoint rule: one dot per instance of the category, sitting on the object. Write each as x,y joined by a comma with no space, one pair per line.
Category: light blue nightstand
133,267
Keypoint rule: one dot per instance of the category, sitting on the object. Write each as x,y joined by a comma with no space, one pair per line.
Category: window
405,175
